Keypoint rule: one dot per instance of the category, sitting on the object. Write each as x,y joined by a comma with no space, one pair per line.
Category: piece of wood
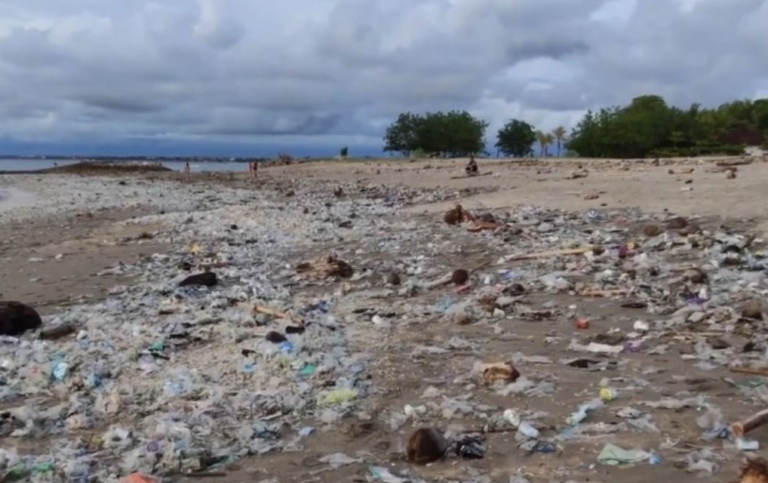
53,333
754,371
205,474
551,253
463,176
444,280
483,225
739,162
740,428
260,309
604,293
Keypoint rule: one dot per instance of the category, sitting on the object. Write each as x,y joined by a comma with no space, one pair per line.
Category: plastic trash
583,411
608,394
526,431
613,455
470,448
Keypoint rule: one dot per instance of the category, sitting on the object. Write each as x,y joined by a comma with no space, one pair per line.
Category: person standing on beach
255,169
187,170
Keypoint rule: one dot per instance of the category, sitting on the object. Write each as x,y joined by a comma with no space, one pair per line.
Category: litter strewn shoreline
310,326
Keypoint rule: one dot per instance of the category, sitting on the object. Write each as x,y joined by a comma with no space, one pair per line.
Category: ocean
35,164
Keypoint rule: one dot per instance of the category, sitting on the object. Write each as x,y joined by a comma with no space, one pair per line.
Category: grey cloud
341,67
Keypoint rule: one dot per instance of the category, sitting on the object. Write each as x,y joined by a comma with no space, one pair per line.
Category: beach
169,380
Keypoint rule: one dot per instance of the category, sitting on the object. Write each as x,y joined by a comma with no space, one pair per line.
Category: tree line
647,127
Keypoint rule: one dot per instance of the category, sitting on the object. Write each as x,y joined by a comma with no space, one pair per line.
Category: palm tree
548,140
559,134
541,138
544,140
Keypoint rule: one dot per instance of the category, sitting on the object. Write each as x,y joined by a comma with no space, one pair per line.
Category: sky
245,77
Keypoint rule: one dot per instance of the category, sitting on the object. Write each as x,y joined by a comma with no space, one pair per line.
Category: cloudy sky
239,76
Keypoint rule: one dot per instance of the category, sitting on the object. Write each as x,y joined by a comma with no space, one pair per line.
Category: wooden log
755,371
483,225
551,253
740,428
604,293
260,309
464,176
53,333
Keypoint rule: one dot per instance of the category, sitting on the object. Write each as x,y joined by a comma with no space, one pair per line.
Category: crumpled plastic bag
612,455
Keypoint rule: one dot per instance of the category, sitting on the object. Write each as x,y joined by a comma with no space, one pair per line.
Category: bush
704,150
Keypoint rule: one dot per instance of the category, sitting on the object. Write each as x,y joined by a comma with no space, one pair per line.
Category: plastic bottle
512,417
581,413
526,429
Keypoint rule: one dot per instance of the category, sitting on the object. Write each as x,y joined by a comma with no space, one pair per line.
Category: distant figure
255,171
471,168
187,170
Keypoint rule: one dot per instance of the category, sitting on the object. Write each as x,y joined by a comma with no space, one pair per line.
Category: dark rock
456,215
345,224
460,277
186,266
634,304
652,230
717,343
752,309
207,279
514,289
426,445
17,318
462,318
677,223
393,279
275,337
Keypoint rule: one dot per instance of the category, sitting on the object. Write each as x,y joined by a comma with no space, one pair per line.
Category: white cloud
327,70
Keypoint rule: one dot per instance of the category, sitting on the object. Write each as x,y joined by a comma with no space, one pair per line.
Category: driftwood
740,428
604,293
483,225
755,371
57,332
739,162
551,253
260,309
464,176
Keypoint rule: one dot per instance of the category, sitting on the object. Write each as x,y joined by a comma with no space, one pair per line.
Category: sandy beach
167,380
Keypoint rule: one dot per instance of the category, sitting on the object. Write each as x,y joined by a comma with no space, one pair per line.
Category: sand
90,242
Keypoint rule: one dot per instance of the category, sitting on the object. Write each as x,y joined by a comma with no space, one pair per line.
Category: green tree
650,127
516,138
447,134
559,134
402,135
343,152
